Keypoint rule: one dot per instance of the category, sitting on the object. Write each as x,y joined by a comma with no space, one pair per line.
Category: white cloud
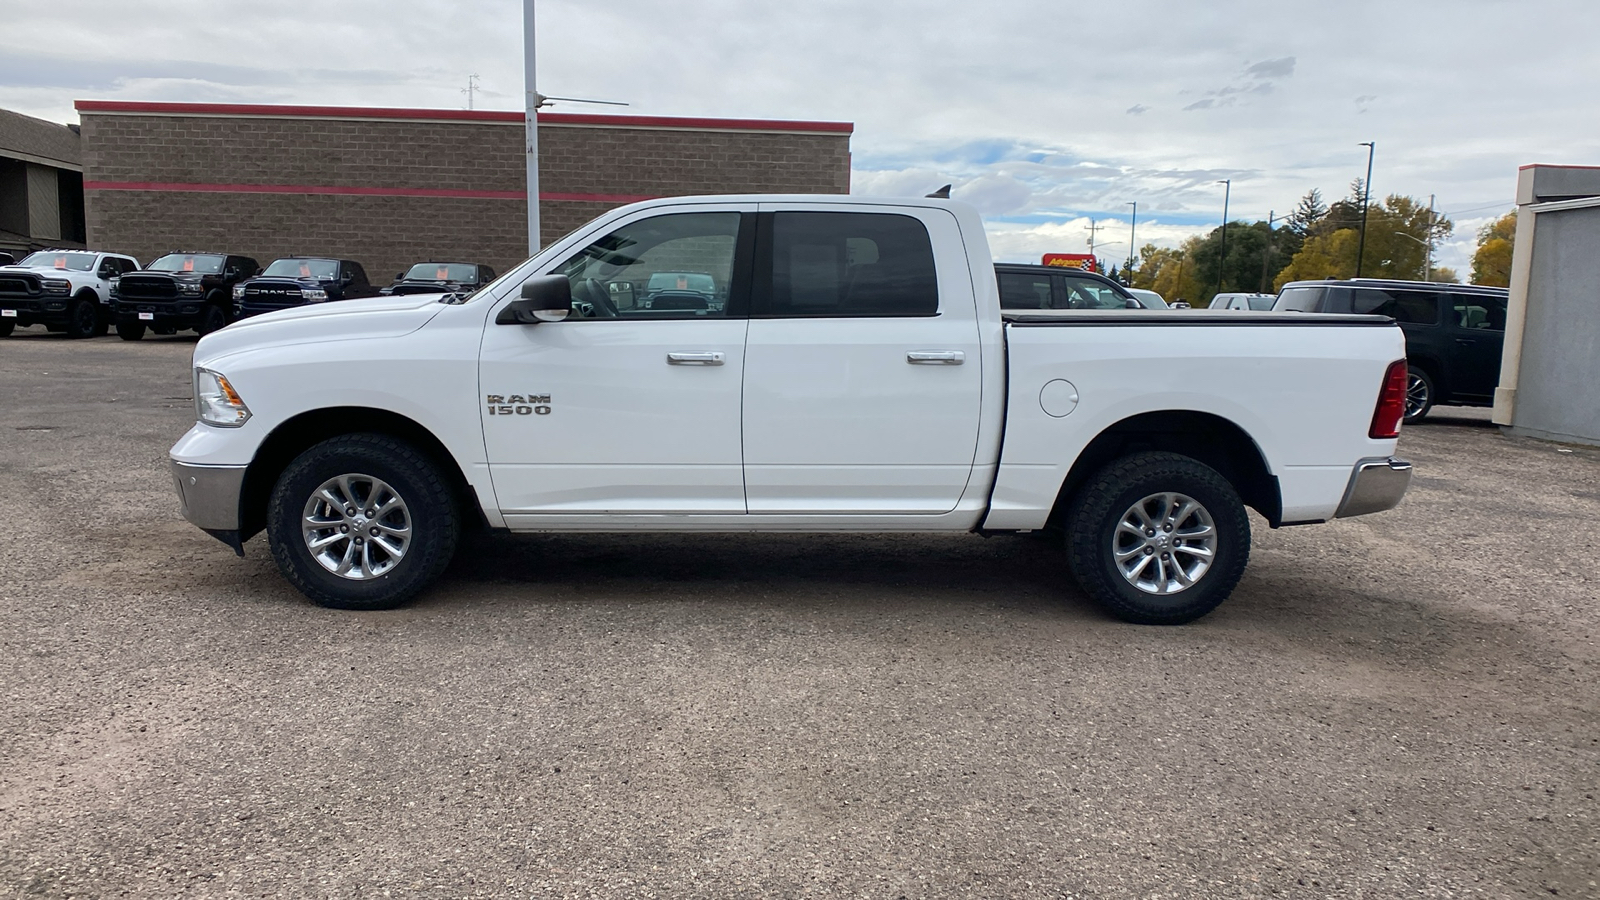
1093,123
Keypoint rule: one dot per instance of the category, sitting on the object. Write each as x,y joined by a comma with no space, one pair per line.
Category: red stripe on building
456,115
195,188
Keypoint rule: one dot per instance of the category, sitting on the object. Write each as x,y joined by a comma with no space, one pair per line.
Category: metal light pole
534,101
1366,201
1133,224
1227,193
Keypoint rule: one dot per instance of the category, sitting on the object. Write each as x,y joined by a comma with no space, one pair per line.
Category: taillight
1391,409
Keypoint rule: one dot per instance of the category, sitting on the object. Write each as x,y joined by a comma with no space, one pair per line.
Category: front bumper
210,499
173,315
1377,484
49,310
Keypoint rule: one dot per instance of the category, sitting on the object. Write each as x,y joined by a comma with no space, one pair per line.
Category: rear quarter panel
1304,393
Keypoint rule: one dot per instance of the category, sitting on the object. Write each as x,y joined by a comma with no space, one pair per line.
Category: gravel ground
1402,705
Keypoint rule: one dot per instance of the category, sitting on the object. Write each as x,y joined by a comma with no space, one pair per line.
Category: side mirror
399,276
546,298
1131,303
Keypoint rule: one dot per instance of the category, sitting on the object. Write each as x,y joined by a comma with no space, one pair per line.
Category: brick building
389,187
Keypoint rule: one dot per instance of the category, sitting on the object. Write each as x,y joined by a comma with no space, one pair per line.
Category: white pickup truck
784,363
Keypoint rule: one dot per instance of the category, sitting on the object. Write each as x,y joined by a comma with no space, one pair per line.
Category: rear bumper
1377,484
210,496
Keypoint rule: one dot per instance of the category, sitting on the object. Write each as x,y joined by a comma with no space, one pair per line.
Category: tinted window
1411,307
1087,293
1020,290
851,264
1301,299
633,272
1264,301
1480,312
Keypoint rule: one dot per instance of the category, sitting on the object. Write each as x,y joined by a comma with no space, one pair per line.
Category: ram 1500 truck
860,376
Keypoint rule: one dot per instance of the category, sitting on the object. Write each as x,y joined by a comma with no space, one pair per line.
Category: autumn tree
1399,232
1491,264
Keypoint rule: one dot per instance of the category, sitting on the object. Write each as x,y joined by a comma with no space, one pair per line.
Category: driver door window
666,267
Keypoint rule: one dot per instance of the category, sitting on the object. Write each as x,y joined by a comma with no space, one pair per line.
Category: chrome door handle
936,357
713,358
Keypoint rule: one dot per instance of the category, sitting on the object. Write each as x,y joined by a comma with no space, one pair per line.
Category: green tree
1491,264
1398,235
1307,213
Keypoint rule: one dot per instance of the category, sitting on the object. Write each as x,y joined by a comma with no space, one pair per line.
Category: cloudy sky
1045,115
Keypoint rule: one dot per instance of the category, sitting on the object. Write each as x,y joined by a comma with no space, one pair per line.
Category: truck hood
339,320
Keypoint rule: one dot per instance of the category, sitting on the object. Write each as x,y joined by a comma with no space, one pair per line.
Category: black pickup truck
177,292
440,277
298,280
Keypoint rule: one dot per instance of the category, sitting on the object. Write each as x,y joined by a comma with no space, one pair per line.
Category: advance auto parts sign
1072,261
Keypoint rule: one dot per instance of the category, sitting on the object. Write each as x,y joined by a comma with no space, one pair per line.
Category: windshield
697,282
48,259
1264,301
199,263
443,272
304,268
1300,299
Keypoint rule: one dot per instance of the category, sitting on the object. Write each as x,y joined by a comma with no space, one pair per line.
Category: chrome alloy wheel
1165,543
1417,391
356,527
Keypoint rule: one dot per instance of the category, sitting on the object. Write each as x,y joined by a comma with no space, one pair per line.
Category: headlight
57,286
314,295
216,402
238,292
189,287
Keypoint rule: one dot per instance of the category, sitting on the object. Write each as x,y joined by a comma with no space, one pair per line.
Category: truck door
625,408
863,372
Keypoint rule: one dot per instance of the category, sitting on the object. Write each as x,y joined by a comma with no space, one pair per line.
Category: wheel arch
299,433
1207,437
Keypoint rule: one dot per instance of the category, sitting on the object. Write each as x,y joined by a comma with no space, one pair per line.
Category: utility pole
470,89
534,101
1093,227
1366,201
1133,224
1266,255
1427,267
1222,260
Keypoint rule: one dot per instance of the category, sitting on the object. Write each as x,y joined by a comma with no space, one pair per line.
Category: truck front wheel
362,521
1158,538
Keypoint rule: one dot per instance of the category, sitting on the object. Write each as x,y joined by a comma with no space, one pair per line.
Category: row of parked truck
85,293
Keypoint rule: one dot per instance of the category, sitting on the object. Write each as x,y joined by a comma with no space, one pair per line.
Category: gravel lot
1402,705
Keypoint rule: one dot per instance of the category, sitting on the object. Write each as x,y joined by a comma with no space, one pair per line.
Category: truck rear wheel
1158,538
362,521
213,318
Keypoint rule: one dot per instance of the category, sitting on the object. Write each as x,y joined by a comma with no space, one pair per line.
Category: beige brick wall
387,234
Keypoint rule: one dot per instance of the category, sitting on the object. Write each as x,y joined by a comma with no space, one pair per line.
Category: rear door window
1407,307
1088,293
848,265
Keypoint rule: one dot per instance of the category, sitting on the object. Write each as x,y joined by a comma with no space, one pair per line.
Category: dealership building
391,187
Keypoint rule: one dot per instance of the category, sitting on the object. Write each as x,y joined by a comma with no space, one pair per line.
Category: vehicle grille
19,284
147,287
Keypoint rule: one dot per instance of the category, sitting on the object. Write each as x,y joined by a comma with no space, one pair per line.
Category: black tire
432,515
1420,394
102,321
82,318
7,326
130,331
1093,538
213,318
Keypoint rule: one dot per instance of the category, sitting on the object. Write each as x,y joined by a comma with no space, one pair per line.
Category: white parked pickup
784,363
